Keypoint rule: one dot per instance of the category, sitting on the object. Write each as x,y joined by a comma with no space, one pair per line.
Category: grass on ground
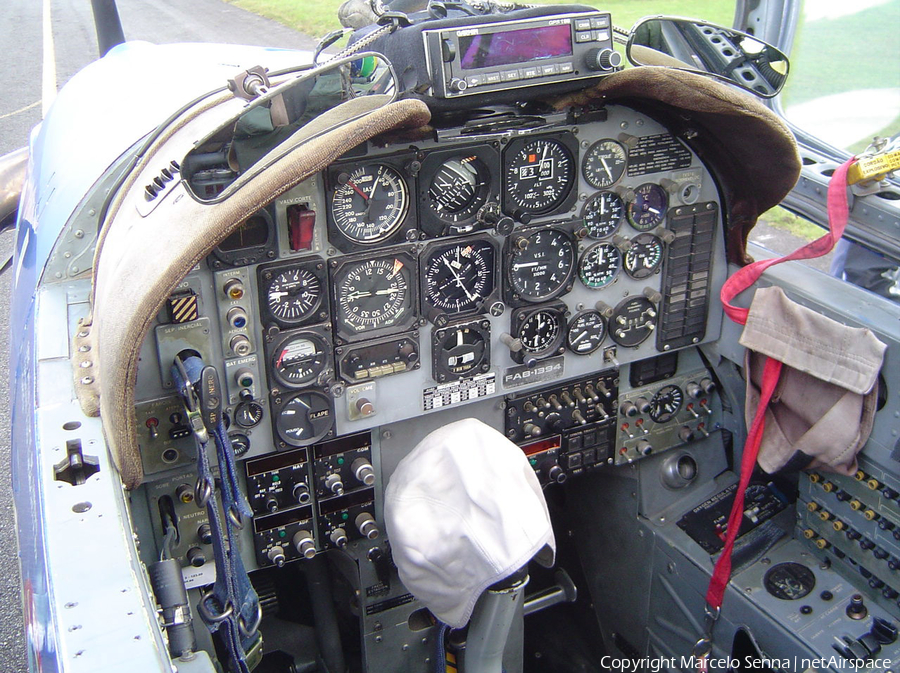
318,17
779,218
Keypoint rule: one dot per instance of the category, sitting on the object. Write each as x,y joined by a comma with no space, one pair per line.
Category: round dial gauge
460,351
457,278
459,188
644,256
248,414
369,203
633,321
543,265
599,265
586,332
538,175
649,206
602,214
666,403
373,294
789,581
293,295
604,163
299,359
541,331
304,418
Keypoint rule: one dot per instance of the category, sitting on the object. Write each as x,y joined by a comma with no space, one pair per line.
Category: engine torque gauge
299,359
369,203
649,206
461,350
604,163
457,278
586,332
602,214
538,175
666,403
599,265
374,295
304,418
293,295
644,256
540,264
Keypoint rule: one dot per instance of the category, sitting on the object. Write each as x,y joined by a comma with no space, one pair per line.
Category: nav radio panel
513,54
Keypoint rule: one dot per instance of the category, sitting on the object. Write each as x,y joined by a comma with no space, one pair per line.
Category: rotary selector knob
276,555
707,384
363,471
685,434
643,404
554,472
628,409
301,493
602,60
644,447
457,85
304,544
366,525
694,390
334,483
196,557
338,538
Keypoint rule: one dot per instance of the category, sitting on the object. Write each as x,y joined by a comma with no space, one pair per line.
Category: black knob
866,544
553,472
457,85
196,557
842,496
707,384
602,60
271,503
644,447
879,553
857,609
204,532
894,563
643,404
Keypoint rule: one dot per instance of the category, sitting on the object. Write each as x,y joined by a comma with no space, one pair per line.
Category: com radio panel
508,54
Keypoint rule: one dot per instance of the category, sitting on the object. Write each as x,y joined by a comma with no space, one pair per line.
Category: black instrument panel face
374,295
539,175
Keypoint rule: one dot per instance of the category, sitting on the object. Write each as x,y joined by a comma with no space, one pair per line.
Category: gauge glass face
604,163
304,418
459,277
541,331
586,332
299,359
543,269
248,414
373,294
251,233
599,265
666,403
539,175
293,295
603,213
633,321
644,256
459,188
649,206
461,351
369,203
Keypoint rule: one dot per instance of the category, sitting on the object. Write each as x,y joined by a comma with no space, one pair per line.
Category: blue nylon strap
232,605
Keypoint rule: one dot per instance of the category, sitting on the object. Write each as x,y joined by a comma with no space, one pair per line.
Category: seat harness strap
232,604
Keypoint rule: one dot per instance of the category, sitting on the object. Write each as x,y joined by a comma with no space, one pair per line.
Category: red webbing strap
838,212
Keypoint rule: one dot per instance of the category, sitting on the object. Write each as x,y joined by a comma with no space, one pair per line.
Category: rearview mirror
698,46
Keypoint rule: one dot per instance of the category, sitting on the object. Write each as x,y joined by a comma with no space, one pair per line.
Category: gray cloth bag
823,408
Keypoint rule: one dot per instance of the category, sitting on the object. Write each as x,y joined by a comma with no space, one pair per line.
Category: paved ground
25,74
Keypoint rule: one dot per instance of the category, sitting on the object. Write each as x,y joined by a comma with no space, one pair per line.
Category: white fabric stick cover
464,510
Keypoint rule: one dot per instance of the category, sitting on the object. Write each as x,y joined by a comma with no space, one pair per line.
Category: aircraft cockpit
447,350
